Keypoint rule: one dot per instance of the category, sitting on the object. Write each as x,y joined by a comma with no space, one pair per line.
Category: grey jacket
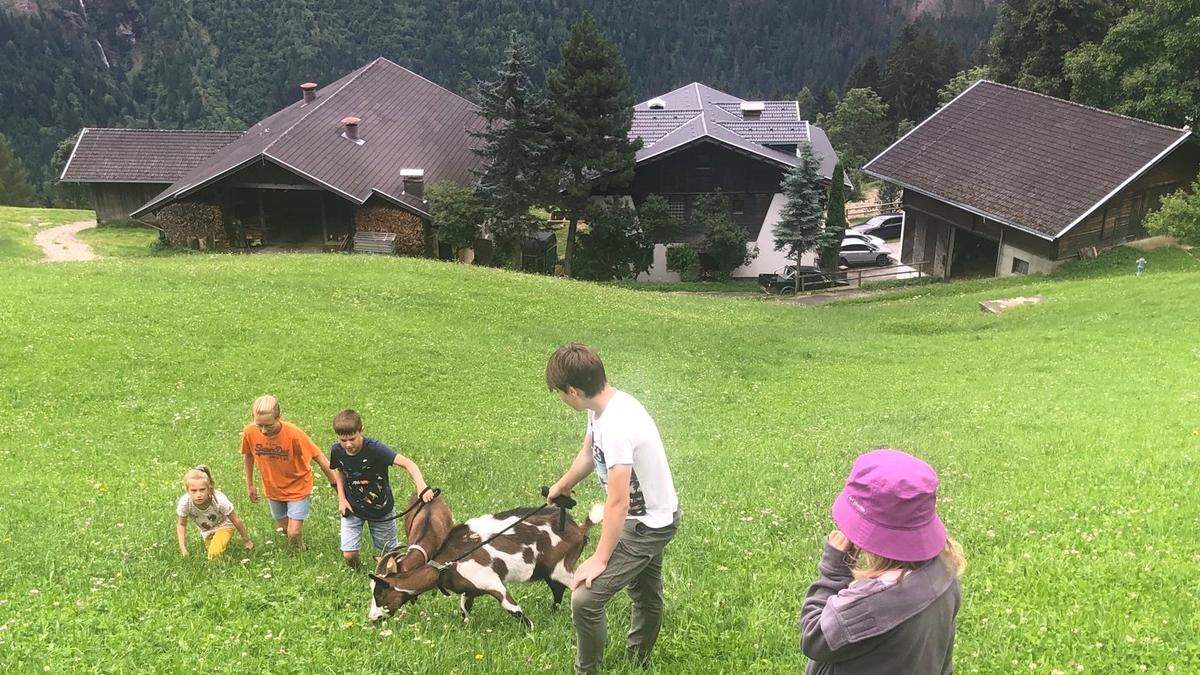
873,628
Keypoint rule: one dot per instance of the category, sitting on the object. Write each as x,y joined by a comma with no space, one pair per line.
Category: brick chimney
309,91
351,128
414,182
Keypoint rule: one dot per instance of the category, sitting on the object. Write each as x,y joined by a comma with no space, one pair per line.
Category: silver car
854,237
855,252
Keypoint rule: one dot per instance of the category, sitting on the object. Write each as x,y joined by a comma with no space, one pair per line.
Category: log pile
184,221
408,227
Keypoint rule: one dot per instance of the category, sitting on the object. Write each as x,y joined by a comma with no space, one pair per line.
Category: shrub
1179,215
656,219
457,214
685,260
614,245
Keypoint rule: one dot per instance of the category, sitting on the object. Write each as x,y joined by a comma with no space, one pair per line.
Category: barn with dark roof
1006,181
697,140
352,156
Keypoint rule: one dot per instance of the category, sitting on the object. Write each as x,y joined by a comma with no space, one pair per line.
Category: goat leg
557,589
465,602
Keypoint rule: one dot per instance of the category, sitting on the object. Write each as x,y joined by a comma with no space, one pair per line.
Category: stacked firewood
408,228
188,222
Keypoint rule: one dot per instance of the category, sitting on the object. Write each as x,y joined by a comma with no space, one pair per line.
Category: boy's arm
241,528
181,535
343,503
324,464
616,507
248,464
581,466
415,473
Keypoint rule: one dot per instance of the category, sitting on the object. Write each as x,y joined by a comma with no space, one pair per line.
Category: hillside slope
1064,435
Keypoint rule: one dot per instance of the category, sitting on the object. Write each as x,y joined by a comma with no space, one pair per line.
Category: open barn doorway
973,255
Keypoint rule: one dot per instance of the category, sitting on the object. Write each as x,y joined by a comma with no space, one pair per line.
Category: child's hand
182,552
426,493
252,492
248,544
838,540
343,507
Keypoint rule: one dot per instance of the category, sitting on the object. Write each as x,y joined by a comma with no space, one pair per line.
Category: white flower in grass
387,632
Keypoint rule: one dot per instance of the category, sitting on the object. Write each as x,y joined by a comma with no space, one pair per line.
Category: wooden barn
697,140
351,157
126,168
1005,181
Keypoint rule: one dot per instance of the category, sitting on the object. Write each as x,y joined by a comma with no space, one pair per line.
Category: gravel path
59,244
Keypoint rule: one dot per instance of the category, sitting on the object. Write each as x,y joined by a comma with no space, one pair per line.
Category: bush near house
1179,215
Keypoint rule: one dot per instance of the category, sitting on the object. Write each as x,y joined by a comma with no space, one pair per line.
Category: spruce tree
14,184
514,150
592,112
798,230
830,241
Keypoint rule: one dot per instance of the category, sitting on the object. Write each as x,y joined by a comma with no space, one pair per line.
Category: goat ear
379,579
390,566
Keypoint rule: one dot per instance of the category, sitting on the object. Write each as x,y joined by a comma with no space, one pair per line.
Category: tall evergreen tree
592,113
798,230
918,66
514,150
1031,37
865,75
806,104
830,241
14,183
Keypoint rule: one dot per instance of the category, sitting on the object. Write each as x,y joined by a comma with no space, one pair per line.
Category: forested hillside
226,63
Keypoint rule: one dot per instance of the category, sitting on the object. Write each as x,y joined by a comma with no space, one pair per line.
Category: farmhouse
1005,181
696,140
352,156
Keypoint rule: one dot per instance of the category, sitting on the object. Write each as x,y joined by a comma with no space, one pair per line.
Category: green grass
19,224
730,286
122,241
1065,435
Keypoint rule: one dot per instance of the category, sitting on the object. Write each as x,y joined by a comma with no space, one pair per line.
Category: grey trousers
636,565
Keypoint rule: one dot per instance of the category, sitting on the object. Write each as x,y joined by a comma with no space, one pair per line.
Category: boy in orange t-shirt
283,453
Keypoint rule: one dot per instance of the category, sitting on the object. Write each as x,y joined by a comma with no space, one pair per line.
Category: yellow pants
217,542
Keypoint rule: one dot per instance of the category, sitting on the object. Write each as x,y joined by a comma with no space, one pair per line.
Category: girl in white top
213,512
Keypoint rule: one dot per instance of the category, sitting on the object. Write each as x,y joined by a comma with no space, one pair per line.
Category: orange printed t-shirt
284,460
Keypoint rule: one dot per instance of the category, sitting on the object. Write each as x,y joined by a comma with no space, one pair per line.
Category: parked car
886,226
811,279
852,236
863,253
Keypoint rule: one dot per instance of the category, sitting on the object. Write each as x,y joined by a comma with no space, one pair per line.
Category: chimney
309,91
351,128
414,182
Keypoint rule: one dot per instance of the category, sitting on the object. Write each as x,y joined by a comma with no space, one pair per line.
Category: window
676,207
1110,223
855,248
1020,266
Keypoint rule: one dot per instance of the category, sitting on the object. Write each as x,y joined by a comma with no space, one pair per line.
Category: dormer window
656,104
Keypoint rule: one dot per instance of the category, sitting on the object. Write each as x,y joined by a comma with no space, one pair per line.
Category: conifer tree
592,111
830,241
798,230
14,184
513,149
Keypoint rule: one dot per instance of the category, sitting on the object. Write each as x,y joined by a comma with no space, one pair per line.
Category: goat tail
594,516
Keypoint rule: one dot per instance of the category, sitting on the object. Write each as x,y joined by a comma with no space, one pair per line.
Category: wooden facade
113,202
703,167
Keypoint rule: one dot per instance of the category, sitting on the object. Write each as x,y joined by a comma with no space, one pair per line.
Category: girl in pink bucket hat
887,595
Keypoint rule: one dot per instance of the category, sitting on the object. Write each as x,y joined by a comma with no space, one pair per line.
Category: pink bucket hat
889,507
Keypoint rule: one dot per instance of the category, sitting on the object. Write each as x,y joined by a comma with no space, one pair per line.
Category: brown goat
425,530
533,550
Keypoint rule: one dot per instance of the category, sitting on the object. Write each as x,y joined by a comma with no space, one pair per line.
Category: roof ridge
323,100
1084,106
413,72
190,131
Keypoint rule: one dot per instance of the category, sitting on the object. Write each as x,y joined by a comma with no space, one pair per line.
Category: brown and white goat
533,550
425,530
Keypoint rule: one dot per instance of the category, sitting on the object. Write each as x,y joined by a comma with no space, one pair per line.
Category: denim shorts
383,533
297,510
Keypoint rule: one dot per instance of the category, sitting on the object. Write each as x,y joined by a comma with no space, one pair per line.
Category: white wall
1037,264
768,259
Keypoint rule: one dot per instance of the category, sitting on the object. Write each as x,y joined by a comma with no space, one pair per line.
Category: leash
417,504
563,502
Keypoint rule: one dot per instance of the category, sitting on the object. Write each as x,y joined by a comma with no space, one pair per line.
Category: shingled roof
697,111
406,122
1031,161
141,155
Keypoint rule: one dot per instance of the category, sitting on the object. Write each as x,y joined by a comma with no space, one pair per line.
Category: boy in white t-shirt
641,512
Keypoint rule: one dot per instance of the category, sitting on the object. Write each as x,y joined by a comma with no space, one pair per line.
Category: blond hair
265,404
867,565
201,472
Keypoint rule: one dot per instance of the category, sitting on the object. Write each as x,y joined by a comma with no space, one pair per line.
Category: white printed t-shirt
626,434
208,520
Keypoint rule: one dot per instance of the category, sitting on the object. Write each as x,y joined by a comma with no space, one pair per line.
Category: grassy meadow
1065,435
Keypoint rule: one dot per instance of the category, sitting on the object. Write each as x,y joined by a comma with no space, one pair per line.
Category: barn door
943,247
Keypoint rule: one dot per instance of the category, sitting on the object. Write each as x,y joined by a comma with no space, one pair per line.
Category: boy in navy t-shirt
364,494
